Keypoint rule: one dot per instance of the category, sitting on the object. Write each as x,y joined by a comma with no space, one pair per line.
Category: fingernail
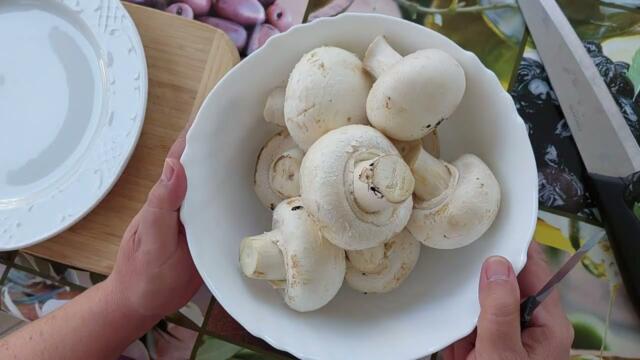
497,268
167,171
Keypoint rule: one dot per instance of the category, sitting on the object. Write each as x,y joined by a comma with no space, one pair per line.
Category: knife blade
605,142
607,147
531,303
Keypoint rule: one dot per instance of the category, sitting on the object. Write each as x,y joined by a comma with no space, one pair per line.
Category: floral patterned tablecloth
592,294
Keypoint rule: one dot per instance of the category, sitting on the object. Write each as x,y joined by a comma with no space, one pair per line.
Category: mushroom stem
381,182
432,176
261,258
284,171
369,260
274,107
431,144
278,284
380,56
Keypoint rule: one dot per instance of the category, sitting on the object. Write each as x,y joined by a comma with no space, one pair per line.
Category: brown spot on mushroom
376,192
295,263
272,206
366,174
442,211
295,208
349,119
306,110
400,274
387,102
439,122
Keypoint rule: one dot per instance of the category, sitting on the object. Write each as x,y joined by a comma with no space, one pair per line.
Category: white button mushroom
358,188
277,168
327,89
395,261
308,269
414,94
274,107
454,203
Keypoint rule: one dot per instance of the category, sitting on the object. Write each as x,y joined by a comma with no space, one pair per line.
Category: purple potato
266,3
236,32
244,12
279,17
181,9
161,4
261,33
200,7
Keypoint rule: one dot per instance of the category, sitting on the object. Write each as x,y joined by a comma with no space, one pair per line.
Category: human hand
154,274
498,334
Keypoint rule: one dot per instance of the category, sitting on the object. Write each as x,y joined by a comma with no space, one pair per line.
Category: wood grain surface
185,59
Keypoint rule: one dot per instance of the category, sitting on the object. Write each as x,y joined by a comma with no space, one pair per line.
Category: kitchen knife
531,303
607,147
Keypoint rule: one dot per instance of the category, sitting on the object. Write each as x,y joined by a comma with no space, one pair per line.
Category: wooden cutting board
185,60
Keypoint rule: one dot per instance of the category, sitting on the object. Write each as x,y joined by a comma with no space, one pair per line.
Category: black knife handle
615,201
527,306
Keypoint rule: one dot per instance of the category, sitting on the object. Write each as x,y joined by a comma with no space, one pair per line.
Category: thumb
499,321
167,194
159,216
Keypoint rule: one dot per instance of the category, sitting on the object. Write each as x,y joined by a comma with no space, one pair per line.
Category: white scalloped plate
438,303
73,92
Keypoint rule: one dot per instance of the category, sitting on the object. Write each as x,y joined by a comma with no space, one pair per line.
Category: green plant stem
453,8
613,291
636,209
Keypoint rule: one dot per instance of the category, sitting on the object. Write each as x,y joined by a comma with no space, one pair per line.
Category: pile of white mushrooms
354,179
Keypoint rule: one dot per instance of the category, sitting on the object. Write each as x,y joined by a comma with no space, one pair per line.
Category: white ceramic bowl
438,303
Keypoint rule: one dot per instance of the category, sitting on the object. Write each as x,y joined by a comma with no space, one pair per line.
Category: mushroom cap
465,214
401,254
315,268
415,95
267,165
327,89
326,188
